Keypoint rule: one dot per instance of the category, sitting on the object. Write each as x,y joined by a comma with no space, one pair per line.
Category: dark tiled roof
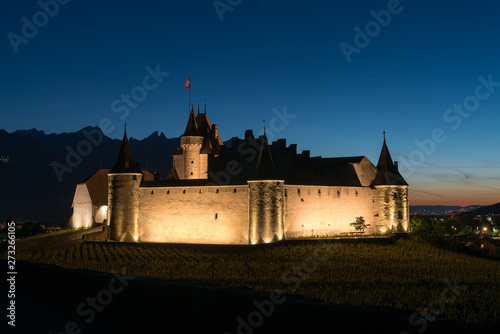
97,186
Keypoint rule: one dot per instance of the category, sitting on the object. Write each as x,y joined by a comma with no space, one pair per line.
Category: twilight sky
327,75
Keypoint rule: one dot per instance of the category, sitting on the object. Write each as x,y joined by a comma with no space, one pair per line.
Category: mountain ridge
43,170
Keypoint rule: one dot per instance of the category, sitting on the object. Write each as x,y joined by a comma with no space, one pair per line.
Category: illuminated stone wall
392,208
205,215
82,208
123,206
326,210
266,211
100,213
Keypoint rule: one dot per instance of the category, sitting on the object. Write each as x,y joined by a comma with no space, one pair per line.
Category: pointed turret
388,173
266,198
265,169
125,161
124,180
192,125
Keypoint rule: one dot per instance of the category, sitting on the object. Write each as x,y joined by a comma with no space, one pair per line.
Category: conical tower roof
125,162
192,125
387,173
265,169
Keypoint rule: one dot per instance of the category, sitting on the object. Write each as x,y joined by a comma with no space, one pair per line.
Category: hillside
486,210
42,170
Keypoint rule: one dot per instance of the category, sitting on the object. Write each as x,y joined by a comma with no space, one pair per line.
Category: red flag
187,85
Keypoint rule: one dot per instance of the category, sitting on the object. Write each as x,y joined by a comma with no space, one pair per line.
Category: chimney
156,176
396,165
249,134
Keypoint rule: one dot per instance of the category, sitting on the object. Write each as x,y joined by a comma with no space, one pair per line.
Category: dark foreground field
57,300
420,280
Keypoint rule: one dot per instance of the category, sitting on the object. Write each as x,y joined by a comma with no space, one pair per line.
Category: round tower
124,180
191,146
391,193
189,163
266,200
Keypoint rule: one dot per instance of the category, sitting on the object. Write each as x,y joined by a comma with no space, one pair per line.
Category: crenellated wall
326,210
205,215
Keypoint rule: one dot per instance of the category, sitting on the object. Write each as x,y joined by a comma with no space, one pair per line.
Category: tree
421,225
359,224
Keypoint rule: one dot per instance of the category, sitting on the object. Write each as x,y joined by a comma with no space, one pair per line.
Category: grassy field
403,275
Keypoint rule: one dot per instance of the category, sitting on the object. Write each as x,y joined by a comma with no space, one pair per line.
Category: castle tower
124,180
189,162
391,195
266,200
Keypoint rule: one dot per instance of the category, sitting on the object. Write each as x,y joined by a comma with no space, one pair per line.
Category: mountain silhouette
42,170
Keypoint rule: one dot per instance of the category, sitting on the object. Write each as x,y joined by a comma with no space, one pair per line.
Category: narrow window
395,196
184,191
192,161
134,177
200,191
286,193
400,215
356,193
298,191
216,215
234,190
302,200
319,191
216,191
152,192
338,192
168,192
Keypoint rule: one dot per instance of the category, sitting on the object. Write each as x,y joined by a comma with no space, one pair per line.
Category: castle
246,192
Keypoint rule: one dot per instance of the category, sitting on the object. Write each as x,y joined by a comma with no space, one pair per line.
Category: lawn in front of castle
404,275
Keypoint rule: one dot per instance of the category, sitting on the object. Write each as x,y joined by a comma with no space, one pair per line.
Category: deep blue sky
274,54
